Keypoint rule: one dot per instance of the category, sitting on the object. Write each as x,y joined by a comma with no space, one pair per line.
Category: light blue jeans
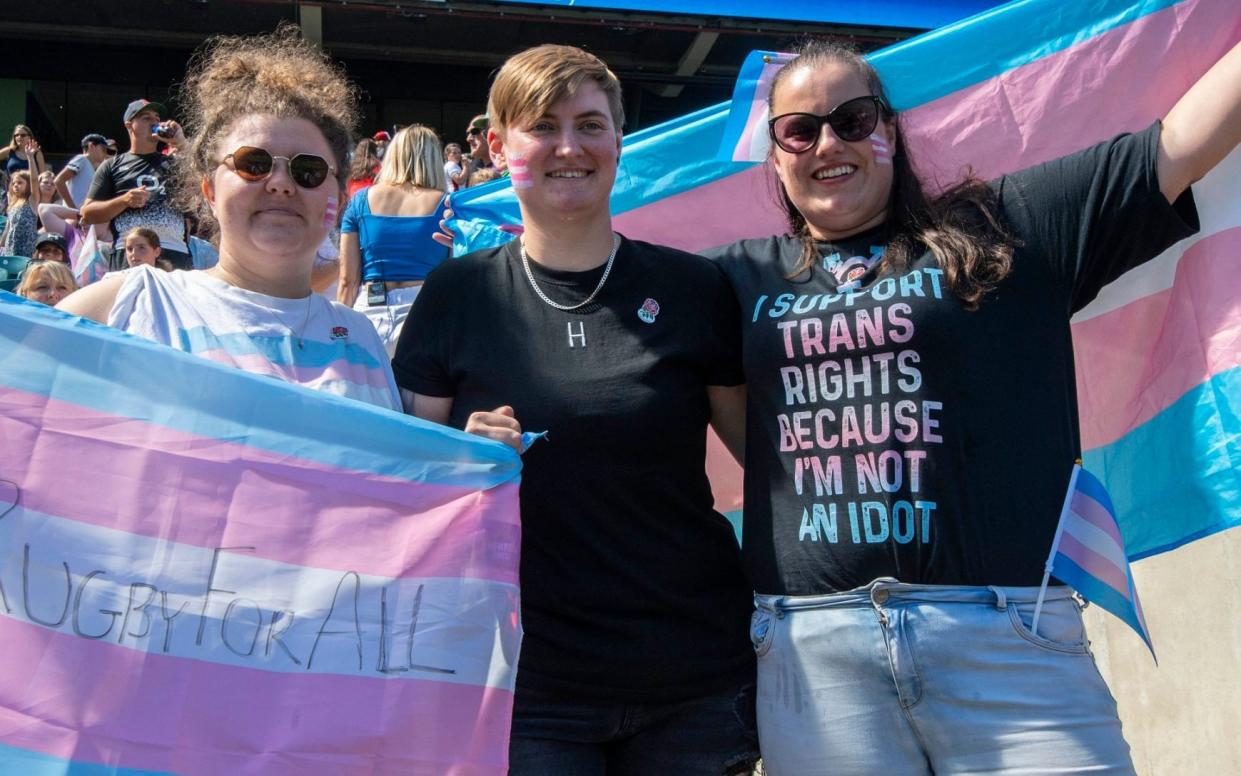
898,679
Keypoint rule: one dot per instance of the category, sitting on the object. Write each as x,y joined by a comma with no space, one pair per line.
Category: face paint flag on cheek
883,152
329,215
519,173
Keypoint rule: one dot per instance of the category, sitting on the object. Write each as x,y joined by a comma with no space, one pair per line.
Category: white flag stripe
1095,539
1218,209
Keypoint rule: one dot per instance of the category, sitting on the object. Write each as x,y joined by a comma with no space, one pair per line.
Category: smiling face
270,228
841,188
47,186
569,154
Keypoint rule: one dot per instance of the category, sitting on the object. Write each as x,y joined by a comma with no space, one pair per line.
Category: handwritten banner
207,571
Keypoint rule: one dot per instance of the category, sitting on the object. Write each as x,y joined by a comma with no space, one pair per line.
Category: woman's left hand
500,424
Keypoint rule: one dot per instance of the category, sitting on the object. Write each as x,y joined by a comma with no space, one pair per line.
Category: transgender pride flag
1088,554
1158,364
206,571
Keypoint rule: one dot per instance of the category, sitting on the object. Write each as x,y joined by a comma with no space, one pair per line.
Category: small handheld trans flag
745,138
1088,554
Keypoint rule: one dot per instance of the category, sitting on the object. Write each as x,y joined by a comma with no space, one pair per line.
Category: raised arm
1202,128
53,217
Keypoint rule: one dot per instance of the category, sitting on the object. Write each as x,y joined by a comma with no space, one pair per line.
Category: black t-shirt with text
118,174
632,585
891,432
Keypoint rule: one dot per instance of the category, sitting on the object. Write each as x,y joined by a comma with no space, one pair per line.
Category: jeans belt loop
1001,600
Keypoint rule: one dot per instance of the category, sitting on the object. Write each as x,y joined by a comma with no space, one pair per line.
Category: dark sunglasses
256,164
472,131
851,120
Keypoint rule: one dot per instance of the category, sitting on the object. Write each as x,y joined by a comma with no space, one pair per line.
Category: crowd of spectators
117,208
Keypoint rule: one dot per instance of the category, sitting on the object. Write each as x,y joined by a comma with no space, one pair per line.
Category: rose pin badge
648,311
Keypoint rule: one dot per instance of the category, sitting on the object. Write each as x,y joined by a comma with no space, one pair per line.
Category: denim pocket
1060,626
762,631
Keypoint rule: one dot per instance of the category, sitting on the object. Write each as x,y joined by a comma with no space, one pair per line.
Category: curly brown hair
960,226
280,74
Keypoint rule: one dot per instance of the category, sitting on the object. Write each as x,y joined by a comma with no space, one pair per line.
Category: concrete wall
1184,716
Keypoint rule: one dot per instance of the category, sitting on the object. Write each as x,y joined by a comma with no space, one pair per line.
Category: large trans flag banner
206,571
1158,360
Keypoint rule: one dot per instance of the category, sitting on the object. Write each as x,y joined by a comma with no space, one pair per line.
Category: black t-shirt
118,174
891,432
632,585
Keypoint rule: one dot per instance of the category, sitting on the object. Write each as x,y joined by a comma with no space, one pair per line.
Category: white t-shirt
309,341
451,169
83,174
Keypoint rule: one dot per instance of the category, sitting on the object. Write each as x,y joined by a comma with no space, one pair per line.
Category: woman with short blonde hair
46,281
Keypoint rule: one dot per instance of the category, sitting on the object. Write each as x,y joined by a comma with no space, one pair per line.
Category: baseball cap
137,106
381,135
94,137
49,237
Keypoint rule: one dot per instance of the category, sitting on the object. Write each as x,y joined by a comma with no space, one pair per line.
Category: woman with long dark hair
912,424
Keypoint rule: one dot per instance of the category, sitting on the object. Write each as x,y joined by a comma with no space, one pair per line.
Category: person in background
363,166
73,182
141,247
50,246
635,658
47,188
476,138
485,175
20,150
381,139
385,242
22,226
132,189
457,176
67,223
46,282
272,119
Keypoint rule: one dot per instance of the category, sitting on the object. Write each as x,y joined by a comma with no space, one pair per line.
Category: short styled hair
532,81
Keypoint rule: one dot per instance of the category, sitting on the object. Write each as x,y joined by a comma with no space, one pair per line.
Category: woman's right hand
499,424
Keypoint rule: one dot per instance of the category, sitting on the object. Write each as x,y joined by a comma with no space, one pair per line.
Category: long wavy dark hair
960,227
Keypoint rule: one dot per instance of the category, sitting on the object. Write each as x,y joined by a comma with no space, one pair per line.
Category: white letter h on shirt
580,334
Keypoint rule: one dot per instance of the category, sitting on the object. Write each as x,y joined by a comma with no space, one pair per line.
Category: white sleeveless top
310,341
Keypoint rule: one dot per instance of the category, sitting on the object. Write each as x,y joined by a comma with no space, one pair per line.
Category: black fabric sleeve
101,188
421,361
1096,213
724,342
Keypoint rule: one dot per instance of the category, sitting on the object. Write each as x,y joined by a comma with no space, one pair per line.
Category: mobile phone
376,293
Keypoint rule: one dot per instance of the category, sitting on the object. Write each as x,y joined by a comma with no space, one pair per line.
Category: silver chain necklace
525,263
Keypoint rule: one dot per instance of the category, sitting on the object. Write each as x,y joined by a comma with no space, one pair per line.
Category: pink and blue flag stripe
206,571
1088,553
1159,371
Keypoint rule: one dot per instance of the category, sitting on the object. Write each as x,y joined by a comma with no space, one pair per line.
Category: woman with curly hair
270,119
